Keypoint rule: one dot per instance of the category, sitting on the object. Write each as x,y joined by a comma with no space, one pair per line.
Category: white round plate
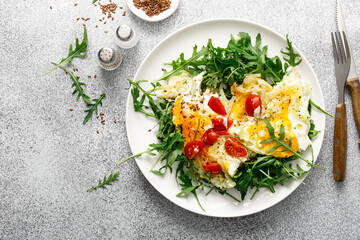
138,124
141,14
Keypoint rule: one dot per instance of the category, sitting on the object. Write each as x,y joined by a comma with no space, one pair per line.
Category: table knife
352,81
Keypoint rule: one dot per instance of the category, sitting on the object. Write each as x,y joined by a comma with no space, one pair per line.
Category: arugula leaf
187,187
93,107
107,181
78,86
182,64
319,108
292,56
73,53
281,143
312,132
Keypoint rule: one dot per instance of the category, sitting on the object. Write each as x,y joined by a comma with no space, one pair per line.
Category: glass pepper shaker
126,37
109,58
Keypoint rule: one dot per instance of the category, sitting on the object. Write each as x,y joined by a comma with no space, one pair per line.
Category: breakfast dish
222,134
230,120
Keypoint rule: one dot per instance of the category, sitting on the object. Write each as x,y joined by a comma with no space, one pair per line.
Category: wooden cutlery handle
354,86
340,142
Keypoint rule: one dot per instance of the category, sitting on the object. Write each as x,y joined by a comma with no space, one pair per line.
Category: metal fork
342,61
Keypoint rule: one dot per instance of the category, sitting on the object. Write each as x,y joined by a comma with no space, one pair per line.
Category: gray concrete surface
48,158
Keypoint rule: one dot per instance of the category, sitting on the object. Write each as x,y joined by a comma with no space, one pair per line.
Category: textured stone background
48,158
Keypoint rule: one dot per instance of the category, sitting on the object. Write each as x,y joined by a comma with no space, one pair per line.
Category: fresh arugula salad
228,118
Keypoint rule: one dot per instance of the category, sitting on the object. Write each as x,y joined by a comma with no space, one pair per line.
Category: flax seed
50,7
97,132
75,4
78,19
102,114
71,109
94,76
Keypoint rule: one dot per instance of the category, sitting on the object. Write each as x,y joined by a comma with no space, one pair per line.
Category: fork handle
354,86
340,142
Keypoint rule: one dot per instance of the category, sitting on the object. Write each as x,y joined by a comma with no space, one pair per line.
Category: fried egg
284,104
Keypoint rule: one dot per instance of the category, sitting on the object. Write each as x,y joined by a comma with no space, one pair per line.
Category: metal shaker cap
106,55
124,32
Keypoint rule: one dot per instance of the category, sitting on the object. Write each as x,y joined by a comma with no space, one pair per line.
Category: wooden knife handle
354,86
340,142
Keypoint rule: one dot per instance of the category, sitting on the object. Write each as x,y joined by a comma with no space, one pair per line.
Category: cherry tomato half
210,136
219,124
252,103
214,168
192,148
234,148
216,105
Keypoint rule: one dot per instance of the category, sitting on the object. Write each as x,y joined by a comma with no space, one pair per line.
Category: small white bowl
141,14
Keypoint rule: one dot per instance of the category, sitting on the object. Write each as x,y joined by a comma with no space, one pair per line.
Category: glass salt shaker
126,37
109,58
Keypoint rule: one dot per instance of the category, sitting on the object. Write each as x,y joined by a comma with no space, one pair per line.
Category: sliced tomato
219,124
252,103
223,132
192,148
214,168
216,105
210,136
234,148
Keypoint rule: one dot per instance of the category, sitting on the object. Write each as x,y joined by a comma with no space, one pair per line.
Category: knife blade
353,80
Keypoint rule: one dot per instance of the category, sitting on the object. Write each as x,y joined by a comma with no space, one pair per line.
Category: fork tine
347,47
335,53
340,47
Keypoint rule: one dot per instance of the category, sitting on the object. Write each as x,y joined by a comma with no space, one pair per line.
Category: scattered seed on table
102,114
77,69
97,116
84,25
94,76
78,19
50,7
89,76
74,69
75,4
96,26
71,109
106,31
115,121
124,14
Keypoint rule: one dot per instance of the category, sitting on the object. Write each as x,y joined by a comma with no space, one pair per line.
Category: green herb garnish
93,107
73,53
79,52
320,109
107,181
